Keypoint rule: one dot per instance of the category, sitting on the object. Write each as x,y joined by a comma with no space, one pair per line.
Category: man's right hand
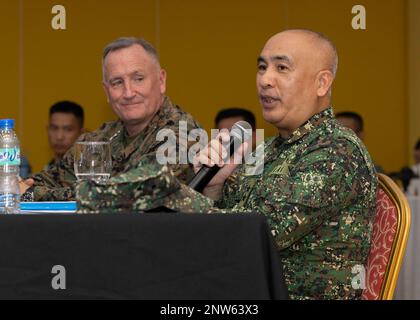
214,155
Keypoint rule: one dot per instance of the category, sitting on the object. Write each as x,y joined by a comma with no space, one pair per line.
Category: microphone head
241,130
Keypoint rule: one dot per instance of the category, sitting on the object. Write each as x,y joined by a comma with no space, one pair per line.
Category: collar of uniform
161,113
51,164
309,125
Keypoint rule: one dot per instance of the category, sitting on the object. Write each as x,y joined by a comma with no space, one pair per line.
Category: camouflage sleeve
57,183
148,187
324,180
230,196
231,189
183,172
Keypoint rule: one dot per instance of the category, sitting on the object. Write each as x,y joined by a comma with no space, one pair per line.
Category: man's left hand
25,185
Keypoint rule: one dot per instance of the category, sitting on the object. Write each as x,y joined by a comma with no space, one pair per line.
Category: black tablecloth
139,256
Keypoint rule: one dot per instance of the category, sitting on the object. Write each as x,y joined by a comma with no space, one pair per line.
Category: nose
60,135
266,79
128,91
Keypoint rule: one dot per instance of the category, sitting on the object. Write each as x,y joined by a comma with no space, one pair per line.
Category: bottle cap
7,124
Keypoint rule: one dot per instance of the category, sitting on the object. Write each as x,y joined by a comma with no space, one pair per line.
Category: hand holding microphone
212,165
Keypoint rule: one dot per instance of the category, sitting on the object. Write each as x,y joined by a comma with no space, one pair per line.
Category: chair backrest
389,240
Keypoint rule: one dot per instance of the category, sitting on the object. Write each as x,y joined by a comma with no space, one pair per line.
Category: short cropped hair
355,116
69,107
328,41
247,115
126,42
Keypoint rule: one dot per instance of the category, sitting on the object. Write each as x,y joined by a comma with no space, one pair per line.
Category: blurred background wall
209,48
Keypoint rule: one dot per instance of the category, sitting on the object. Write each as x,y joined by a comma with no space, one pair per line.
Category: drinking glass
92,161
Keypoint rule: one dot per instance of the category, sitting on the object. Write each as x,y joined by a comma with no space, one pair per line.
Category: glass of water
92,161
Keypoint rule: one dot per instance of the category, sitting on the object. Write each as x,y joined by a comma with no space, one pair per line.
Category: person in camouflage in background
318,186
135,86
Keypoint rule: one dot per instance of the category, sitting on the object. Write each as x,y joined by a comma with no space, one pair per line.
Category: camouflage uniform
51,165
318,192
57,184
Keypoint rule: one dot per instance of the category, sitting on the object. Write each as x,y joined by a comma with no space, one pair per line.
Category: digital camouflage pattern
148,187
318,192
57,184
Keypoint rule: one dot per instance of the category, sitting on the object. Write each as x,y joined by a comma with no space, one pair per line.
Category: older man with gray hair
135,86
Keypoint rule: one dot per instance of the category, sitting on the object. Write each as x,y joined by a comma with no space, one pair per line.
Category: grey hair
126,42
334,61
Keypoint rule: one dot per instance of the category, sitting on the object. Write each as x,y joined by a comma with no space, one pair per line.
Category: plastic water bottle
9,168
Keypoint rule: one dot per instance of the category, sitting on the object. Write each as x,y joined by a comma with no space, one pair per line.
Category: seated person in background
406,174
66,121
25,168
318,185
226,118
135,86
354,121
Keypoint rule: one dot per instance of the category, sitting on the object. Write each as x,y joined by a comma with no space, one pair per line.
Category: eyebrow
56,126
276,58
283,58
261,60
131,74
114,79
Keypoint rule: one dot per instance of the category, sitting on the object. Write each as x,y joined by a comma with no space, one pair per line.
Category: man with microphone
318,185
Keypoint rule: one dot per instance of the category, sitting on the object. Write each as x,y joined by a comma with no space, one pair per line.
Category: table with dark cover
139,256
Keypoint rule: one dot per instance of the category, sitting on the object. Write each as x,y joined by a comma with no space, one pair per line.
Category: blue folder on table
48,207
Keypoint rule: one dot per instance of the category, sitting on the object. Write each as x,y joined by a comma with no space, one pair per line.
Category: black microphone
241,132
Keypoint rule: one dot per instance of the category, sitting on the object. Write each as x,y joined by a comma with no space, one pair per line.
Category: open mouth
267,100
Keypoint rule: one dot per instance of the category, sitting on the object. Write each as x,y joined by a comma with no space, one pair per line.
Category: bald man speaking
318,185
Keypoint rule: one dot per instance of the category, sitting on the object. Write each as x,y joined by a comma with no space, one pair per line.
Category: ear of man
325,79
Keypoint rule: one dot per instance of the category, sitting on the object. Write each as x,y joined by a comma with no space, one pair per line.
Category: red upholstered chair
389,240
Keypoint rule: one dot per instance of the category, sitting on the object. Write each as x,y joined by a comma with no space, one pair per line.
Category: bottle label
10,156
